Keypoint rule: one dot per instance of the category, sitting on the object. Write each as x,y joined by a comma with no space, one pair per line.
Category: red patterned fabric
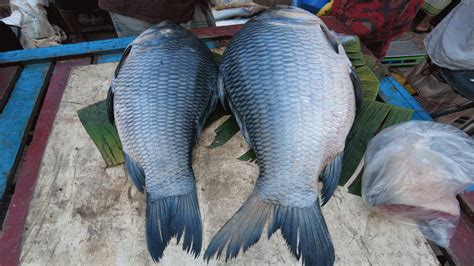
377,22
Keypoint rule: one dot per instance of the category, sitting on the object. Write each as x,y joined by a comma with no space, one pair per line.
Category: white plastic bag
31,17
413,172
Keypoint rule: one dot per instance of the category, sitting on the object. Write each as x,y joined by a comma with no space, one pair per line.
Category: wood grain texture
15,118
104,46
54,53
13,226
8,76
467,204
461,249
84,212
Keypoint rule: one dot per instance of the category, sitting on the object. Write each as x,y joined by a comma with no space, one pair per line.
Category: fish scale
289,83
165,87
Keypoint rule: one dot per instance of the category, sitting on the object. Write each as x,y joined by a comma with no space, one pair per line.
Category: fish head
287,15
159,33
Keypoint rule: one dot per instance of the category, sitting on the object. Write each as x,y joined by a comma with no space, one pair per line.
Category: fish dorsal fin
334,41
357,87
332,38
122,59
110,93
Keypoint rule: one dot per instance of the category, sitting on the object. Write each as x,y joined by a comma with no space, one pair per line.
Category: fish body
290,86
165,86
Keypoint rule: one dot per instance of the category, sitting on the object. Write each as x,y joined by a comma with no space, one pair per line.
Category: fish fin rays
135,172
241,231
110,93
110,106
221,90
125,54
211,106
357,87
240,123
174,216
330,178
227,104
304,230
332,39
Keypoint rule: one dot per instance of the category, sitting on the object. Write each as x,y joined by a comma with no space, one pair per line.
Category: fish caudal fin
330,178
170,217
303,229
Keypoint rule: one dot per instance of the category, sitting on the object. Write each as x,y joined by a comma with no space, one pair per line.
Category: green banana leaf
104,135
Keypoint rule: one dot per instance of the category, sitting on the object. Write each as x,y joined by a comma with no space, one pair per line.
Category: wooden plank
461,249
85,212
8,76
216,32
15,118
13,226
53,53
64,51
394,93
467,204
108,58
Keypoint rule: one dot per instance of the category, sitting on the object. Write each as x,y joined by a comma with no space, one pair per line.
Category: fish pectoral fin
173,216
135,172
357,87
330,178
303,229
221,90
332,38
210,108
125,54
110,93
110,106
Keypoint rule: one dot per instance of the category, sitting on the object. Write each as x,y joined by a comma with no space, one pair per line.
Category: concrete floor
84,213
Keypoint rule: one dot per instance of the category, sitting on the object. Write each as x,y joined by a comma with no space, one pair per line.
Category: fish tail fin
330,178
173,216
303,229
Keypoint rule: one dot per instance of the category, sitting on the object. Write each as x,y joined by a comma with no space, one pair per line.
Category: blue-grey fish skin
294,96
289,85
161,94
164,89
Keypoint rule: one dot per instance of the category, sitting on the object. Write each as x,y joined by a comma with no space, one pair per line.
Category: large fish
290,86
164,88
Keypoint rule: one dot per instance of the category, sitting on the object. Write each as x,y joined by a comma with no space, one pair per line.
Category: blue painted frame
15,118
395,94
54,53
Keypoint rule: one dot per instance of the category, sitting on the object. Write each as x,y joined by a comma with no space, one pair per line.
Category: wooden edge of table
15,219
53,53
13,226
8,77
461,249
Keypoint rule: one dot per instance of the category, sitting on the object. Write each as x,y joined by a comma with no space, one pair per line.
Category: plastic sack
31,17
413,172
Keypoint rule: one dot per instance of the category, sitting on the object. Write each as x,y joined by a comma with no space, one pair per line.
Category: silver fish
164,88
290,86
